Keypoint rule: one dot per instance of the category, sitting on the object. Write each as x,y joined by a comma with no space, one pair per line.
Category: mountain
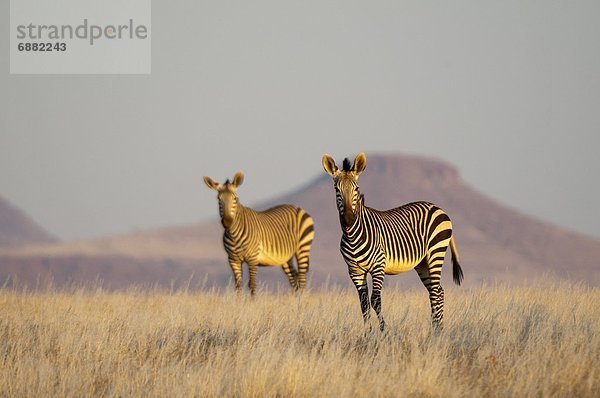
496,243
18,229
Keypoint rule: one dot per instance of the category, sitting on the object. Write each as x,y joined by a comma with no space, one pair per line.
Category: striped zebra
376,242
263,238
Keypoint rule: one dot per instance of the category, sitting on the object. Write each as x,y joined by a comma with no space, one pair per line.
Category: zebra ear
329,165
360,163
238,179
211,184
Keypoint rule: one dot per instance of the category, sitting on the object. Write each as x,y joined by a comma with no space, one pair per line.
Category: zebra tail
457,274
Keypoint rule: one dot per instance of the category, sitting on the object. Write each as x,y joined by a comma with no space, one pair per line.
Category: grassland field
536,341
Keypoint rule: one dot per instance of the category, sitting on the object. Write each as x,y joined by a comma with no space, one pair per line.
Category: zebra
390,242
263,238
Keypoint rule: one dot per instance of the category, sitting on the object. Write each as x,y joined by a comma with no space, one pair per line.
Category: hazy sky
509,92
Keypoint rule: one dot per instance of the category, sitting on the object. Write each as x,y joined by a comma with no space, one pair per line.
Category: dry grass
497,342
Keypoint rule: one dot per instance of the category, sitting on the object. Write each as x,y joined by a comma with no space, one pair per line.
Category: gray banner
80,37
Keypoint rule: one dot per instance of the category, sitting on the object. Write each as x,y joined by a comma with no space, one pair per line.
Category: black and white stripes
266,238
375,242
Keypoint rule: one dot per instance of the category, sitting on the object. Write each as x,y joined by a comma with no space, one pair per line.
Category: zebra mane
347,166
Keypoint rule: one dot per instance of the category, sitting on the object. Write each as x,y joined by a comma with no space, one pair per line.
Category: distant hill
18,229
496,243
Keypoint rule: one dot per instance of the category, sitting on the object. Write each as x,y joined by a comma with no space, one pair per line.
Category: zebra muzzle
226,221
349,217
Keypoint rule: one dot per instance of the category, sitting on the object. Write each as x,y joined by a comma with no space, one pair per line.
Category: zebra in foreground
376,242
263,238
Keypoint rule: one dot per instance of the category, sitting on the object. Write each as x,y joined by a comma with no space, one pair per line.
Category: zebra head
345,182
227,196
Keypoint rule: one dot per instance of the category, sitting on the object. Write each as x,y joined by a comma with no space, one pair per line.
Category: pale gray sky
509,92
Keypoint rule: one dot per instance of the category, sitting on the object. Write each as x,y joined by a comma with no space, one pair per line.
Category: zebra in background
263,238
376,242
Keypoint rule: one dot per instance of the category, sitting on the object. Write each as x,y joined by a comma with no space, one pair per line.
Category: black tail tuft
457,274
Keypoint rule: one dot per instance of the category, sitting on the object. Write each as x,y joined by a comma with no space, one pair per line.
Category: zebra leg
436,297
303,263
252,280
376,296
360,282
236,268
303,250
436,292
435,260
291,273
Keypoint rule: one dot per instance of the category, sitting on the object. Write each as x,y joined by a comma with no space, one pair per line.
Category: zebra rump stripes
413,236
263,238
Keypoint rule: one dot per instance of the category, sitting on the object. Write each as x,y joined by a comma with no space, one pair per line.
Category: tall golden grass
497,341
